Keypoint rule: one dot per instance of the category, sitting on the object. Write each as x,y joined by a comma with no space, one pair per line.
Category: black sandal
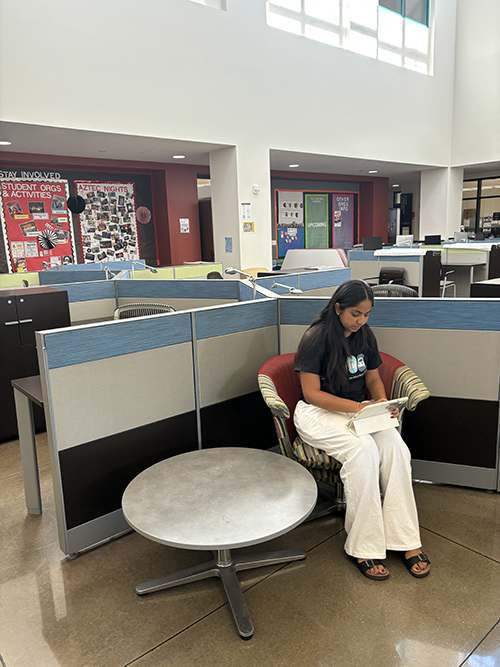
419,558
366,565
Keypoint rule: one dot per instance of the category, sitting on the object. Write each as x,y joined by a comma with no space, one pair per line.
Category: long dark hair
326,334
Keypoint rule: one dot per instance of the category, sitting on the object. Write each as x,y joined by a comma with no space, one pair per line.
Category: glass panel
490,187
284,23
390,28
417,10
364,12
416,36
469,216
320,35
363,44
293,5
326,10
469,189
490,215
390,57
394,5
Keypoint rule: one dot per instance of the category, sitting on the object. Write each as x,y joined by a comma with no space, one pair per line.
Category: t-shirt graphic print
356,366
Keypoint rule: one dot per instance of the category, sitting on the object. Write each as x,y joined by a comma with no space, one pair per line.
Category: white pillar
241,176
441,201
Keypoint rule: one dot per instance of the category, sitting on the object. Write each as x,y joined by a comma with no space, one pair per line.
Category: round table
220,499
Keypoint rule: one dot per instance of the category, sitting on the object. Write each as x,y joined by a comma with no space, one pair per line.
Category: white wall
178,69
476,136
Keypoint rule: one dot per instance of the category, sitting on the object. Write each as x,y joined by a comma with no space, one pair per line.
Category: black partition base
453,430
95,474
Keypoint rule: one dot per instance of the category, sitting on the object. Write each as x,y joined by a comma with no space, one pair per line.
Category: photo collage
108,228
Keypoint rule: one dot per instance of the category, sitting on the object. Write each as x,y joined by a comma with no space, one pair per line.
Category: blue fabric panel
92,266
178,289
467,314
320,279
470,314
57,277
246,293
69,347
89,291
235,319
362,255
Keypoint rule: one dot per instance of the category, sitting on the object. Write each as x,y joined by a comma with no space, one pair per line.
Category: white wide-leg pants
371,464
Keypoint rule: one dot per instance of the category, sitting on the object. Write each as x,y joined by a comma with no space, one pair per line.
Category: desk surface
219,498
31,387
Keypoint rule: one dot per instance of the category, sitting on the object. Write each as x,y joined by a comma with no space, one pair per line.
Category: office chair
388,275
215,275
444,283
393,290
280,385
141,309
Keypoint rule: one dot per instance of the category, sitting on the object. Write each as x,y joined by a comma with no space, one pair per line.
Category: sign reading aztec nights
36,224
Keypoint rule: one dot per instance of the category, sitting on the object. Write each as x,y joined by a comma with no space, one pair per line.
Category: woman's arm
311,388
375,386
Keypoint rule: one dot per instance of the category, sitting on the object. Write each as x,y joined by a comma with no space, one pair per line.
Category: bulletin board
108,226
36,224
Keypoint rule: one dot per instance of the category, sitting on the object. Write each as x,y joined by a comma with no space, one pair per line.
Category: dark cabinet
22,312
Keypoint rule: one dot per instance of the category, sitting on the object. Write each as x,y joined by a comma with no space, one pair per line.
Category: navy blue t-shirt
312,360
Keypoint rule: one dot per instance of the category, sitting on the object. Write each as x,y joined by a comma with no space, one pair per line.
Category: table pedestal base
225,567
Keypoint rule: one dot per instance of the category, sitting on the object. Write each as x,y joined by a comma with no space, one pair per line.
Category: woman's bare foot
377,571
420,567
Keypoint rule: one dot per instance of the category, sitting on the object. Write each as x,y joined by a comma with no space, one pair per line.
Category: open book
376,417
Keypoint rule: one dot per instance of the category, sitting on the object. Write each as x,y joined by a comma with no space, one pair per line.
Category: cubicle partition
321,282
181,294
121,395
454,346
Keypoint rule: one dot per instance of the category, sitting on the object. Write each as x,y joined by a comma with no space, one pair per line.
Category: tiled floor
317,613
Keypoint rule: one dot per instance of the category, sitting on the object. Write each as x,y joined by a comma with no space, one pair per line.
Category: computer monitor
433,239
460,236
404,240
372,242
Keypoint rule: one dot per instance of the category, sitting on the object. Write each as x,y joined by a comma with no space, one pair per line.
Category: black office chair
214,275
393,275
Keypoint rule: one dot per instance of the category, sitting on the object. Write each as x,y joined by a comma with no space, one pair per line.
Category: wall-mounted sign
317,221
184,225
108,228
36,224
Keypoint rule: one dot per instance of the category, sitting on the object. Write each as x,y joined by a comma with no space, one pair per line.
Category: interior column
441,201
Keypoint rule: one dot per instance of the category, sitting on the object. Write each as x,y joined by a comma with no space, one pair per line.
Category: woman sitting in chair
338,359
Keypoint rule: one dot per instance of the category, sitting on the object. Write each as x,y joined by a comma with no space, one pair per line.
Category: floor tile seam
177,634
459,544
463,664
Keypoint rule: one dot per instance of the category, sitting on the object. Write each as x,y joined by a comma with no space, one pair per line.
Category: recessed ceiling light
396,185
178,157
373,171
5,143
292,166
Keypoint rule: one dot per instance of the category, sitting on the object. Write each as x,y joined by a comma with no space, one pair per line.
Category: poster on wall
317,221
289,221
36,224
108,226
343,218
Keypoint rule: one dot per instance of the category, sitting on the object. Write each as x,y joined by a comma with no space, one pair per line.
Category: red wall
174,194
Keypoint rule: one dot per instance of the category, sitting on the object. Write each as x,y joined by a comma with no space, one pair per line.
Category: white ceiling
45,140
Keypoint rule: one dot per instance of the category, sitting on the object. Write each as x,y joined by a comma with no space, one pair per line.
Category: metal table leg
27,444
225,567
